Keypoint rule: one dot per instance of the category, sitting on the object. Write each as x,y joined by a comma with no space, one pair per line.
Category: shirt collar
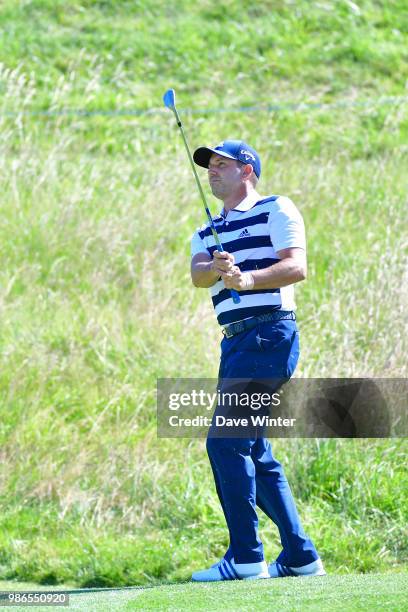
246,204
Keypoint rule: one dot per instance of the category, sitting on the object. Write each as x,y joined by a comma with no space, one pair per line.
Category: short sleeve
286,226
197,245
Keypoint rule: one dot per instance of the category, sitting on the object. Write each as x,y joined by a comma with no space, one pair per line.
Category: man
264,256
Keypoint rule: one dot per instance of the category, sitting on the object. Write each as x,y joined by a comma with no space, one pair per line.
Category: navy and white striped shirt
254,232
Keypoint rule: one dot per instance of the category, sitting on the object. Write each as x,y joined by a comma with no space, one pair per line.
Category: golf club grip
234,294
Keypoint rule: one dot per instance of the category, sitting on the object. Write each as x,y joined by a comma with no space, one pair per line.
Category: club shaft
234,294
216,238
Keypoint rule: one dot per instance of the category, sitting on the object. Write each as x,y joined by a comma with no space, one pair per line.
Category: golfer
265,255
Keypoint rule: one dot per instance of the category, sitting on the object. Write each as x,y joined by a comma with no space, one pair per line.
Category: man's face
224,175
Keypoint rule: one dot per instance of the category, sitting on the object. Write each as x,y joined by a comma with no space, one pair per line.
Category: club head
169,98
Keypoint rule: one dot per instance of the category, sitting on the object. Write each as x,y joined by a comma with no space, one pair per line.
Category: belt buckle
227,333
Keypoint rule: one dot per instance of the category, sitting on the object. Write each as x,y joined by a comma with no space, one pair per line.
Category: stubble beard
217,190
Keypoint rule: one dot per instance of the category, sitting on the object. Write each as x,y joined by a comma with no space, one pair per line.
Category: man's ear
247,171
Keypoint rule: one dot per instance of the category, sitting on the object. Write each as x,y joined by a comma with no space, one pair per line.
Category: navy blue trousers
245,471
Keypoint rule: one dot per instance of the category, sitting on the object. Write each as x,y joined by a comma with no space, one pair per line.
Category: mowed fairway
353,593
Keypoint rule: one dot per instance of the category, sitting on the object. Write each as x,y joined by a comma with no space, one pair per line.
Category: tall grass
96,303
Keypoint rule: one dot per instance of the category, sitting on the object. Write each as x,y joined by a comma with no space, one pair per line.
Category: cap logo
247,155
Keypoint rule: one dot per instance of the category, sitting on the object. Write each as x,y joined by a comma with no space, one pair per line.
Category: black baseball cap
233,149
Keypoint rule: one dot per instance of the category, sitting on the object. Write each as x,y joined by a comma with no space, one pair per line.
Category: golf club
169,100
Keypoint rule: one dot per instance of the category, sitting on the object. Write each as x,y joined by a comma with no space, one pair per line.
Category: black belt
240,326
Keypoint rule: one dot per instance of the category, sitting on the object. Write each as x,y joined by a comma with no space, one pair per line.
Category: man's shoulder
276,201
272,202
207,226
280,204
262,204
205,229
200,230
266,199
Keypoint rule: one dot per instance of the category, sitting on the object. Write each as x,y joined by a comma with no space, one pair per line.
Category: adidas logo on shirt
244,234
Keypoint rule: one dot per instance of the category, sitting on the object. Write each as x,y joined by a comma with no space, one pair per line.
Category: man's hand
235,279
223,262
205,272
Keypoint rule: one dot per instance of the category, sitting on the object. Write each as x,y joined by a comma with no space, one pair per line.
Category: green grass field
330,593
95,296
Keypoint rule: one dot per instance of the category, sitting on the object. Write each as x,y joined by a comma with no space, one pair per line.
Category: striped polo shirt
254,232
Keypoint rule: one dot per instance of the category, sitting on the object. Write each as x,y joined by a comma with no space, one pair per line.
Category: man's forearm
203,275
285,272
